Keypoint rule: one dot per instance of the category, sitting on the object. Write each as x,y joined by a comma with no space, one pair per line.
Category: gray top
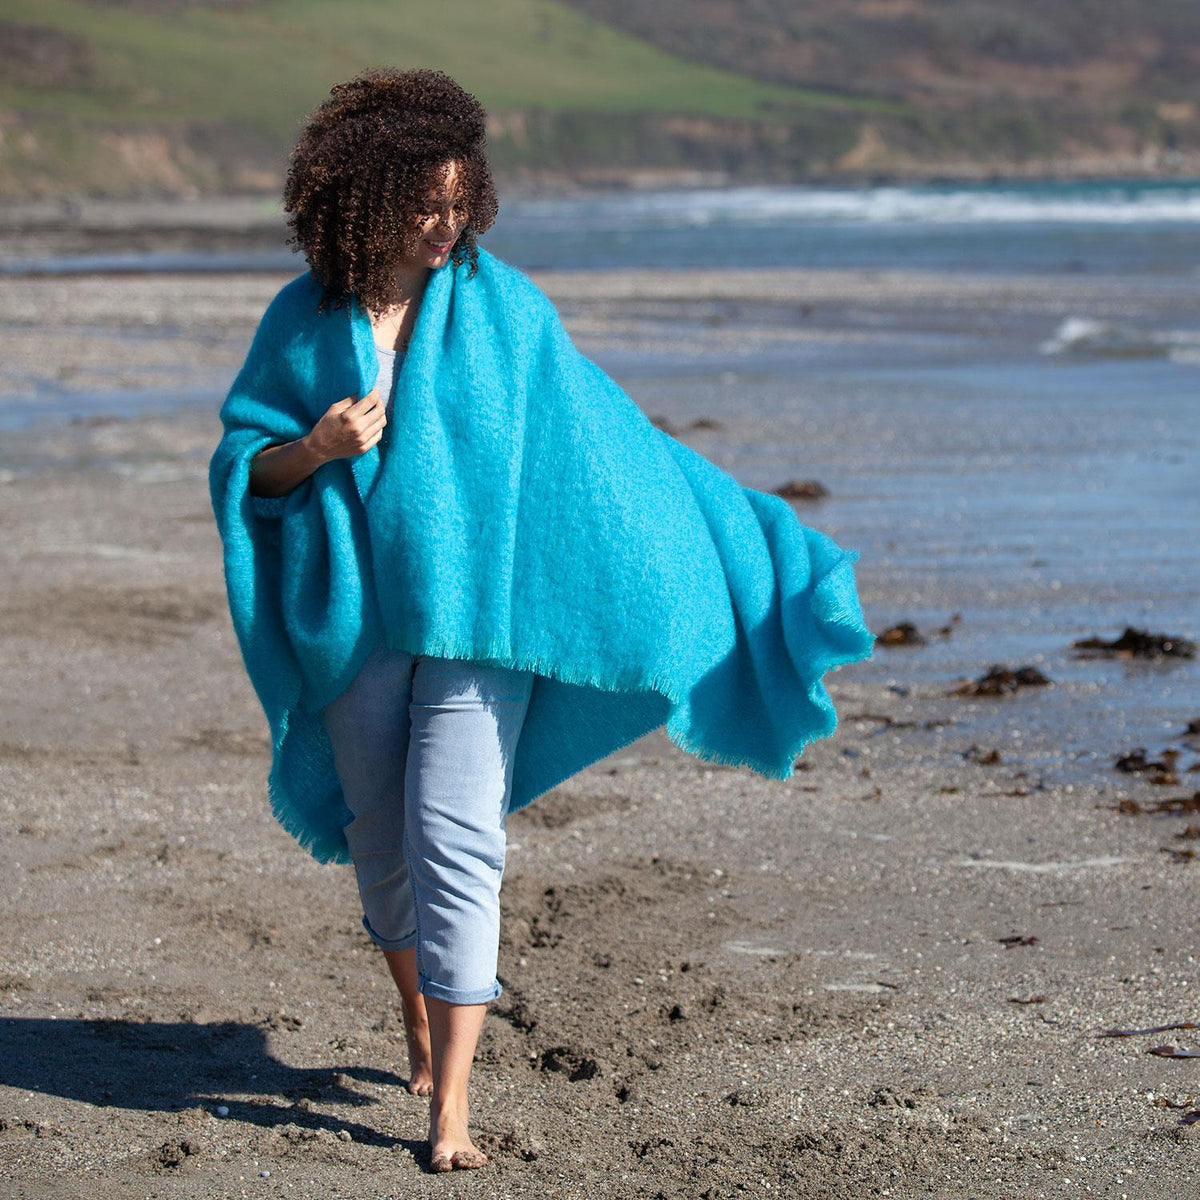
389,368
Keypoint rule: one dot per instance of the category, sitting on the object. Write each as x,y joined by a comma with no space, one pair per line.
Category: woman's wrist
312,451
280,469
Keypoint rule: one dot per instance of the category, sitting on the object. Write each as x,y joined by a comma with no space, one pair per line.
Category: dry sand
715,984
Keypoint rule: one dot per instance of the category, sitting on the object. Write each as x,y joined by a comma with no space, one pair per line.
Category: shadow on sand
171,1066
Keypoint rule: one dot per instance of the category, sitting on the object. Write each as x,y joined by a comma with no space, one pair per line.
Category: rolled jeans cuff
400,943
439,991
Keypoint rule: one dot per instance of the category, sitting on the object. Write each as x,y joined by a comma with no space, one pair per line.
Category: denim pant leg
466,718
368,727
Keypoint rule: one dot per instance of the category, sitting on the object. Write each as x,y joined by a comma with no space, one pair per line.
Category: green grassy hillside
124,97
1011,84
117,97
949,52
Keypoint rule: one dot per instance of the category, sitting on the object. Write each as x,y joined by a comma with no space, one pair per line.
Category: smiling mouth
440,247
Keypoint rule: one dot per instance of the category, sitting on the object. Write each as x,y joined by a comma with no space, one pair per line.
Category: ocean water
1144,226
1149,226
1024,468
1021,500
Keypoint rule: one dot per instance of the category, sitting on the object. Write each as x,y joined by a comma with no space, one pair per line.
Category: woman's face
443,218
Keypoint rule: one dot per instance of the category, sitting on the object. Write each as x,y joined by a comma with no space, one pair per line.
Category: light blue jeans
423,748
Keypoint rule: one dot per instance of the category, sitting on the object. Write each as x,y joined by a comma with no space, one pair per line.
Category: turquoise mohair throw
520,509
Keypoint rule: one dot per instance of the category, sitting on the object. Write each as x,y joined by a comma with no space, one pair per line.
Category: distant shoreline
230,224
1164,167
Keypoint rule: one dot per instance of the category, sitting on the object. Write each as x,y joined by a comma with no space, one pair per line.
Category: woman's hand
348,427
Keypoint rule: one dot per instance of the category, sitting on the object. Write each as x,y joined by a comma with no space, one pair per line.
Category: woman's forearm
276,470
347,427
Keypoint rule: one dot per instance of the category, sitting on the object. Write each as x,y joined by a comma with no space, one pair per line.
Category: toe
468,1158
441,1162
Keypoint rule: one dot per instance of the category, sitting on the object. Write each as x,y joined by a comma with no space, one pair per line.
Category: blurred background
202,97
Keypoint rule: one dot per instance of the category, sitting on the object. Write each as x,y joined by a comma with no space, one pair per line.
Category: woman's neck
412,281
394,325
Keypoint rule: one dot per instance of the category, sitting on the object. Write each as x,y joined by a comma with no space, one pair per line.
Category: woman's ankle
450,1101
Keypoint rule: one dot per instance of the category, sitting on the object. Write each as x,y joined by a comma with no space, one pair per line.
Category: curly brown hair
361,170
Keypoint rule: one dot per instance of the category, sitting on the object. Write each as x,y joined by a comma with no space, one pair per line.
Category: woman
461,718
462,564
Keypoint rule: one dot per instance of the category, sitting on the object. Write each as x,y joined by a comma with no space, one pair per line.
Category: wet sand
715,984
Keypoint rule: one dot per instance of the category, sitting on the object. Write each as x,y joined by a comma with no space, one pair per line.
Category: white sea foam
1128,204
1112,339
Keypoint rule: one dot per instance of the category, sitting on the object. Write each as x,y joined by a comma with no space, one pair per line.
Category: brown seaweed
1173,806
1161,770
670,427
1001,681
1138,643
885,720
903,634
977,754
1177,855
802,489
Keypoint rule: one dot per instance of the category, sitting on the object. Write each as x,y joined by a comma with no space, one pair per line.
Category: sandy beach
890,975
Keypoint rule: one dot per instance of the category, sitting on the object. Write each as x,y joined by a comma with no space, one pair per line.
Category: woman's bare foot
420,1057
403,966
449,1141
455,1033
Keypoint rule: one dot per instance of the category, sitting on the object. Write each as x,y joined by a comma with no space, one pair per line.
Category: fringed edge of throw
838,584
328,845
625,681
